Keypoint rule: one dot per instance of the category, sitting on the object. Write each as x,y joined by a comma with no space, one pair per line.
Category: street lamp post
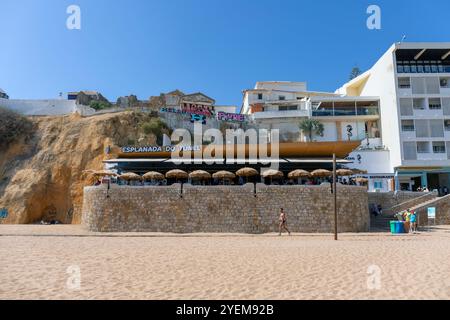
335,199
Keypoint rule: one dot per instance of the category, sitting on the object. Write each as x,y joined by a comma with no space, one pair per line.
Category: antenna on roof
403,38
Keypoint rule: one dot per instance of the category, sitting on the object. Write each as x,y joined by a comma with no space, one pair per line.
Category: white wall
40,107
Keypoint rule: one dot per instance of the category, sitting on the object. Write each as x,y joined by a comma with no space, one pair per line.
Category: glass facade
423,67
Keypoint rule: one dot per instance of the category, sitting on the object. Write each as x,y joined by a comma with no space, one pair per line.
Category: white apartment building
283,105
412,81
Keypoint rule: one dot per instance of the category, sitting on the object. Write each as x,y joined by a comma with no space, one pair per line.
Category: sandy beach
39,262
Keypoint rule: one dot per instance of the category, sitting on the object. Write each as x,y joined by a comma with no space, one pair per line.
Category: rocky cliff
41,176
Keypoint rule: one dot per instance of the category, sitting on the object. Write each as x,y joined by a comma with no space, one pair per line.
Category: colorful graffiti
223,116
198,109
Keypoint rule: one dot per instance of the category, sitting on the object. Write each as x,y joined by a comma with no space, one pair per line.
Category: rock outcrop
42,177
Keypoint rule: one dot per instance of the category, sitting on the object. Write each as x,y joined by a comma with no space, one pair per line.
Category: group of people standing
409,217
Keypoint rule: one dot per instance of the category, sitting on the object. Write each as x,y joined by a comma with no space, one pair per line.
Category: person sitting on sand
283,222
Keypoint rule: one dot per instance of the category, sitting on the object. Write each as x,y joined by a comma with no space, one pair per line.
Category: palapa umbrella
247,172
358,171
272,174
177,174
129,176
200,175
224,175
321,173
153,175
101,173
344,172
296,174
362,180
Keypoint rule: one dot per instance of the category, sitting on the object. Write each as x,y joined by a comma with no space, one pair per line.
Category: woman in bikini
283,222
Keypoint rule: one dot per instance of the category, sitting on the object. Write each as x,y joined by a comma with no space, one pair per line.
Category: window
287,108
444,82
436,128
419,104
434,104
432,85
281,98
408,125
409,151
418,85
439,147
260,96
448,149
406,107
422,128
446,106
404,83
423,147
378,185
447,125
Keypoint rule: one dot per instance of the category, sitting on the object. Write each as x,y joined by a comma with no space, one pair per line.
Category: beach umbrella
101,173
362,180
129,176
247,172
321,173
344,172
358,171
272,174
224,175
153,175
177,174
296,174
200,175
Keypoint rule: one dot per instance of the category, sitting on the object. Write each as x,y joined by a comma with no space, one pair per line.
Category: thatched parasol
129,176
358,171
153,175
177,174
362,180
225,175
200,175
344,172
272,174
296,174
247,172
101,173
321,173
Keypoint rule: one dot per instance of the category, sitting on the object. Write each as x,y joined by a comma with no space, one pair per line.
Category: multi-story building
284,105
412,81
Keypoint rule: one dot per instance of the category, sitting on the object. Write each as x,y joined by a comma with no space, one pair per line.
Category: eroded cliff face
42,177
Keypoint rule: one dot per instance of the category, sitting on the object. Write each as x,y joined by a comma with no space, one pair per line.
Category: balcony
280,114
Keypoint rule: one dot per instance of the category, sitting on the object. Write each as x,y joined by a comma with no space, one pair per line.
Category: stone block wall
223,209
399,201
442,206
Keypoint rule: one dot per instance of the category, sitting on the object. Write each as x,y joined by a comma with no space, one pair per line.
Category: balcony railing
359,111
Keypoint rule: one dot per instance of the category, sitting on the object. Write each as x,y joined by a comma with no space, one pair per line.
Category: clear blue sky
219,47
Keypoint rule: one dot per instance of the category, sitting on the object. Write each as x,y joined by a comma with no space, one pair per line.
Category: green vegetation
99,105
355,73
311,127
12,126
157,127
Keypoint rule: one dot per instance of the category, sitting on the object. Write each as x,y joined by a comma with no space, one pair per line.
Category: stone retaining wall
223,209
394,200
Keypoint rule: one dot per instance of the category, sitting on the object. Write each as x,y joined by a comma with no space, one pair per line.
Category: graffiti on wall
193,108
236,117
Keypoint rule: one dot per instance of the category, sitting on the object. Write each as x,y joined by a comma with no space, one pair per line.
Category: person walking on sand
283,222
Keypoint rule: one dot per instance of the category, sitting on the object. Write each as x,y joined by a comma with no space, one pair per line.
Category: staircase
382,223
